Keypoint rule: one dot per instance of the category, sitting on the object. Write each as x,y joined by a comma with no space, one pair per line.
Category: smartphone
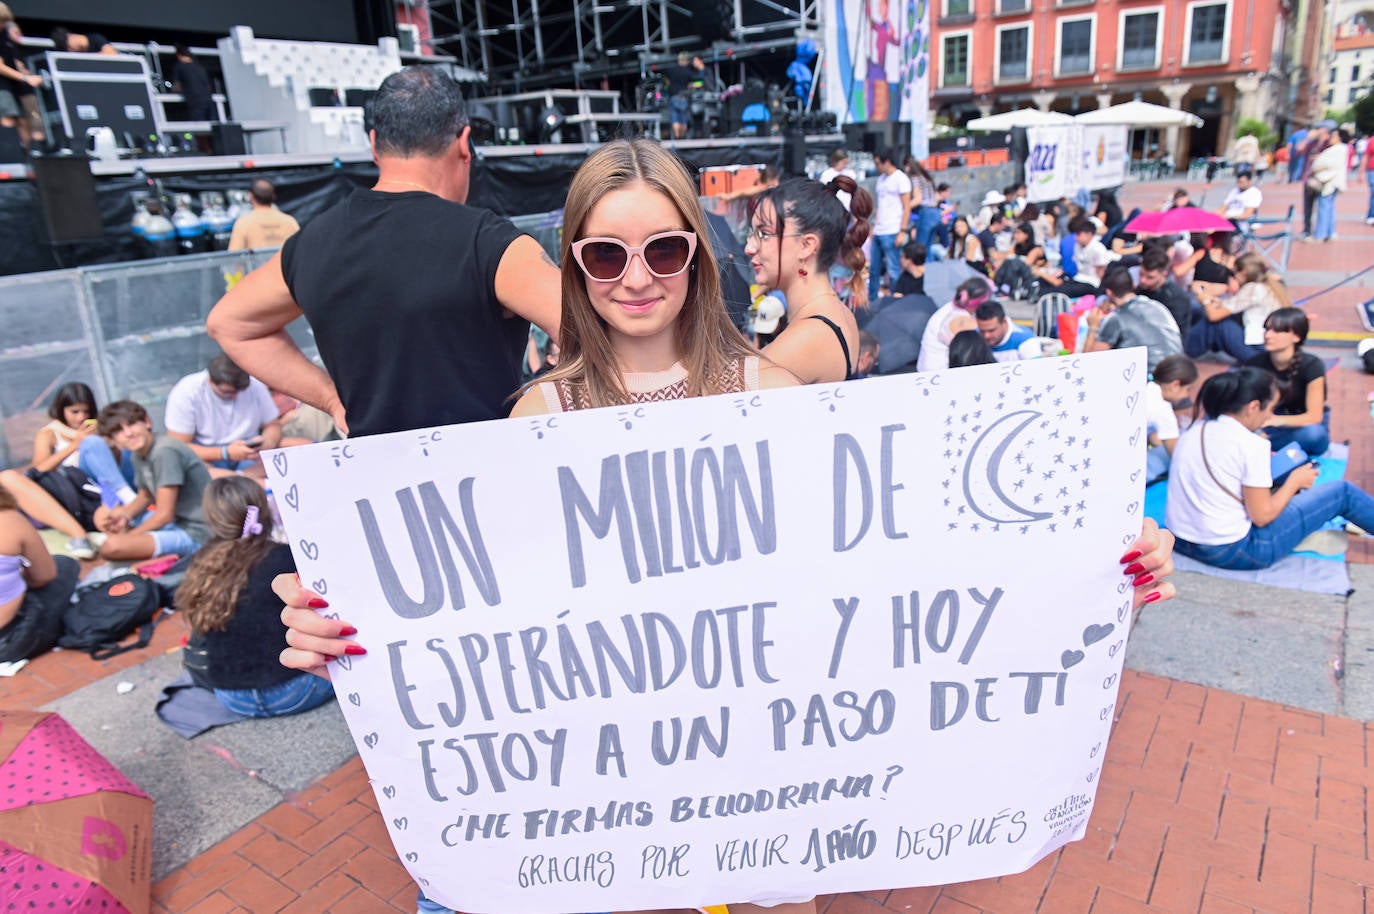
254,443
90,423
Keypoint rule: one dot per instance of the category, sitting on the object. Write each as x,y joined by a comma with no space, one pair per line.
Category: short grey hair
418,111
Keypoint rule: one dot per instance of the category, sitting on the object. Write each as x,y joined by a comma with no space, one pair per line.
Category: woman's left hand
1150,560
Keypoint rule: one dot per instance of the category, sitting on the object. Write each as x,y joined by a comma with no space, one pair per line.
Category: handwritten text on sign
746,647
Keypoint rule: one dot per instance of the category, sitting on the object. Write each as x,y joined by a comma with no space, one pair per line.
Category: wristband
224,452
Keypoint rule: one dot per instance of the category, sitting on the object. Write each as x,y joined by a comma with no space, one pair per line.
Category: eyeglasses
607,259
760,234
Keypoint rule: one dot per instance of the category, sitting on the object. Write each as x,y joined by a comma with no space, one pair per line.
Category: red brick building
1220,59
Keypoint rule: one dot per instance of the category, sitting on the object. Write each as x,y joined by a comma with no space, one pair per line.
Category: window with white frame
1075,46
1013,53
958,7
1139,40
1007,7
1207,33
954,58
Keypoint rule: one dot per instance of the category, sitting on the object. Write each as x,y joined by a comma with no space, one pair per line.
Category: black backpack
76,492
104,613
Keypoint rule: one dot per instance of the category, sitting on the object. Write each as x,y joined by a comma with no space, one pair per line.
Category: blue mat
1301,570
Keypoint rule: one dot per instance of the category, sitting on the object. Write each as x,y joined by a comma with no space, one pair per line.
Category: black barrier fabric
509,186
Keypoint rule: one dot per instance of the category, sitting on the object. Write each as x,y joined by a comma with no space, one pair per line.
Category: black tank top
850,373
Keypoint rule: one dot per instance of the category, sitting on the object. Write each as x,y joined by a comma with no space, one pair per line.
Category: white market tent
1021,117
1140,114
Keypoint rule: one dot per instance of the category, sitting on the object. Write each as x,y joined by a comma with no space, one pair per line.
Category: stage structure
537,43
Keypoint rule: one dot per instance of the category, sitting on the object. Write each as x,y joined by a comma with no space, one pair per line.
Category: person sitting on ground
1180,199
799,231
1301,414
45,511
967,347
993,253
964,245
58,444
912,279
1220,505
35,586
953,317
868,355
264,226
1154,283
1108,210
1009,342
1125,319
166,517
1208,260
225,416
1165,393
1234,324
1243,201
235,618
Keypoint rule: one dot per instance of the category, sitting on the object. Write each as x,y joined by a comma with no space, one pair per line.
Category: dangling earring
801,271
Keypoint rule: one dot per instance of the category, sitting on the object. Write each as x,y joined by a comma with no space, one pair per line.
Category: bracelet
224,452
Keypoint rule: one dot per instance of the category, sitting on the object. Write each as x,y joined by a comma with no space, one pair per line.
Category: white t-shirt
1238,201
934,354
1091,261
889,190
193,408
1160,419
1198,510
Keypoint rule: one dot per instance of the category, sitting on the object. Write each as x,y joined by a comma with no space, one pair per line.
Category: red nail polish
1154,596
1134,568
356,650
317,603
1142,580
347,630
1131,556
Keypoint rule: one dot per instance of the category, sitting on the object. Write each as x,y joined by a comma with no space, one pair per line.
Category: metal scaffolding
525,44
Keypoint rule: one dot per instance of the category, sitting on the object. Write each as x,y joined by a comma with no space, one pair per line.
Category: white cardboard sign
823,639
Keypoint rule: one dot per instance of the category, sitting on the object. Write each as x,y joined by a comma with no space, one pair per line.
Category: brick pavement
1210,802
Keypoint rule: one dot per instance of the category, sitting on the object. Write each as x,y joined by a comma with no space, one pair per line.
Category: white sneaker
79,547
97,539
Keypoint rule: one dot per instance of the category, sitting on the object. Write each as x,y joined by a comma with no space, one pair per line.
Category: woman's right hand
1304,477
314,639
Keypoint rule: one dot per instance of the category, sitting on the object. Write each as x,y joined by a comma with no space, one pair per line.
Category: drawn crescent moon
985,463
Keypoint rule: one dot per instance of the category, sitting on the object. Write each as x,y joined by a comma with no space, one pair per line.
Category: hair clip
251,527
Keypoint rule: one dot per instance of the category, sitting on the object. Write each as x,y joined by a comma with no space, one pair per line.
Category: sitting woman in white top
1235,323
1220,505
1166,391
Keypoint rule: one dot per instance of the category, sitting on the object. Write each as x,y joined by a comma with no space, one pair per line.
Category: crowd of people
632,311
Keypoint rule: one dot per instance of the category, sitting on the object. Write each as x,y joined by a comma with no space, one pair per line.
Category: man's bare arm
249,323
528,284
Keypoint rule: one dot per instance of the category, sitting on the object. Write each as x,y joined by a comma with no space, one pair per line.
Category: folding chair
1047,311
1271,238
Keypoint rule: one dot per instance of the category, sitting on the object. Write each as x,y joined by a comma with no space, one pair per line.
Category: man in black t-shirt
420,305
680,80
1155,283
193,83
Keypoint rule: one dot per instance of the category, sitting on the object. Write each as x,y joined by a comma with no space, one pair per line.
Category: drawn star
1081,506
1030,442
953,526
1001,405
1054,434
1052,526
953,470
1058,401
1087,482
1025,528
978,413
996,528
945,483
1058,458
1026,401
1078,381
948,453
949,420
1065,510
1062,414
1087,462
1037,499
1047,475
959,453
1028,469
1063,491
1020,455
963,420
1087,441
973,527
1082,420
975,428
1049,387
1037,397
1045,424
953,404
961,510
1074,467
1018,484
946,502
977,398
1026,389
1077,522
963,439
1070,440
1001,394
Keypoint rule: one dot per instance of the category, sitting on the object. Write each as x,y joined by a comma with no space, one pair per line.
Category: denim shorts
172,540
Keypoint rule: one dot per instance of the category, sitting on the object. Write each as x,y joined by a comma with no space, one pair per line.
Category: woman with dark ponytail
1221,507
800,230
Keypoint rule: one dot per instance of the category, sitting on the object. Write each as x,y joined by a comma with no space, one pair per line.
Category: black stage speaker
794,152
226,139
66,188
11,150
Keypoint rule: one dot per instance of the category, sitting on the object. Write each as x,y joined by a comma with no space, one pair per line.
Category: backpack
76,492
104,613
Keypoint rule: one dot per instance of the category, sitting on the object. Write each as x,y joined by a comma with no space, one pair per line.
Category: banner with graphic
1102,156
823,639
876,64
1060,160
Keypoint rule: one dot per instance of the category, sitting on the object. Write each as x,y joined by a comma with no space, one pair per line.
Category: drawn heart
390,792
279,462
371,739
293,498
310,550
355,699
344,661
320,587
1135,436
1070,658
334,616
1095,749
422,880
412,857
1123,586
1133,507
1128,539
1135,475
1131,401
401,823
1121,614
1111,651
1105,712
1109,681
1092,776
1095,633
1129,372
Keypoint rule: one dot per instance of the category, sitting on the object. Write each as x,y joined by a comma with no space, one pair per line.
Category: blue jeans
884,262
1369,178
297,694
1306,513
1326,217
1314,438
424,906
1156,463
1226,335
116,479
927,221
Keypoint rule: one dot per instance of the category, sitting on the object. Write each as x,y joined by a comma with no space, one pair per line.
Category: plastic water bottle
219,225
190,230
159,235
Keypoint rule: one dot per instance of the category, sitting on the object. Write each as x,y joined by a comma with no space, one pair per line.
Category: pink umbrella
77,832
1179,219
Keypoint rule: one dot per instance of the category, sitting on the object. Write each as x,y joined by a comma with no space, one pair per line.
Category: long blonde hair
707,341
1252,268
219,571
